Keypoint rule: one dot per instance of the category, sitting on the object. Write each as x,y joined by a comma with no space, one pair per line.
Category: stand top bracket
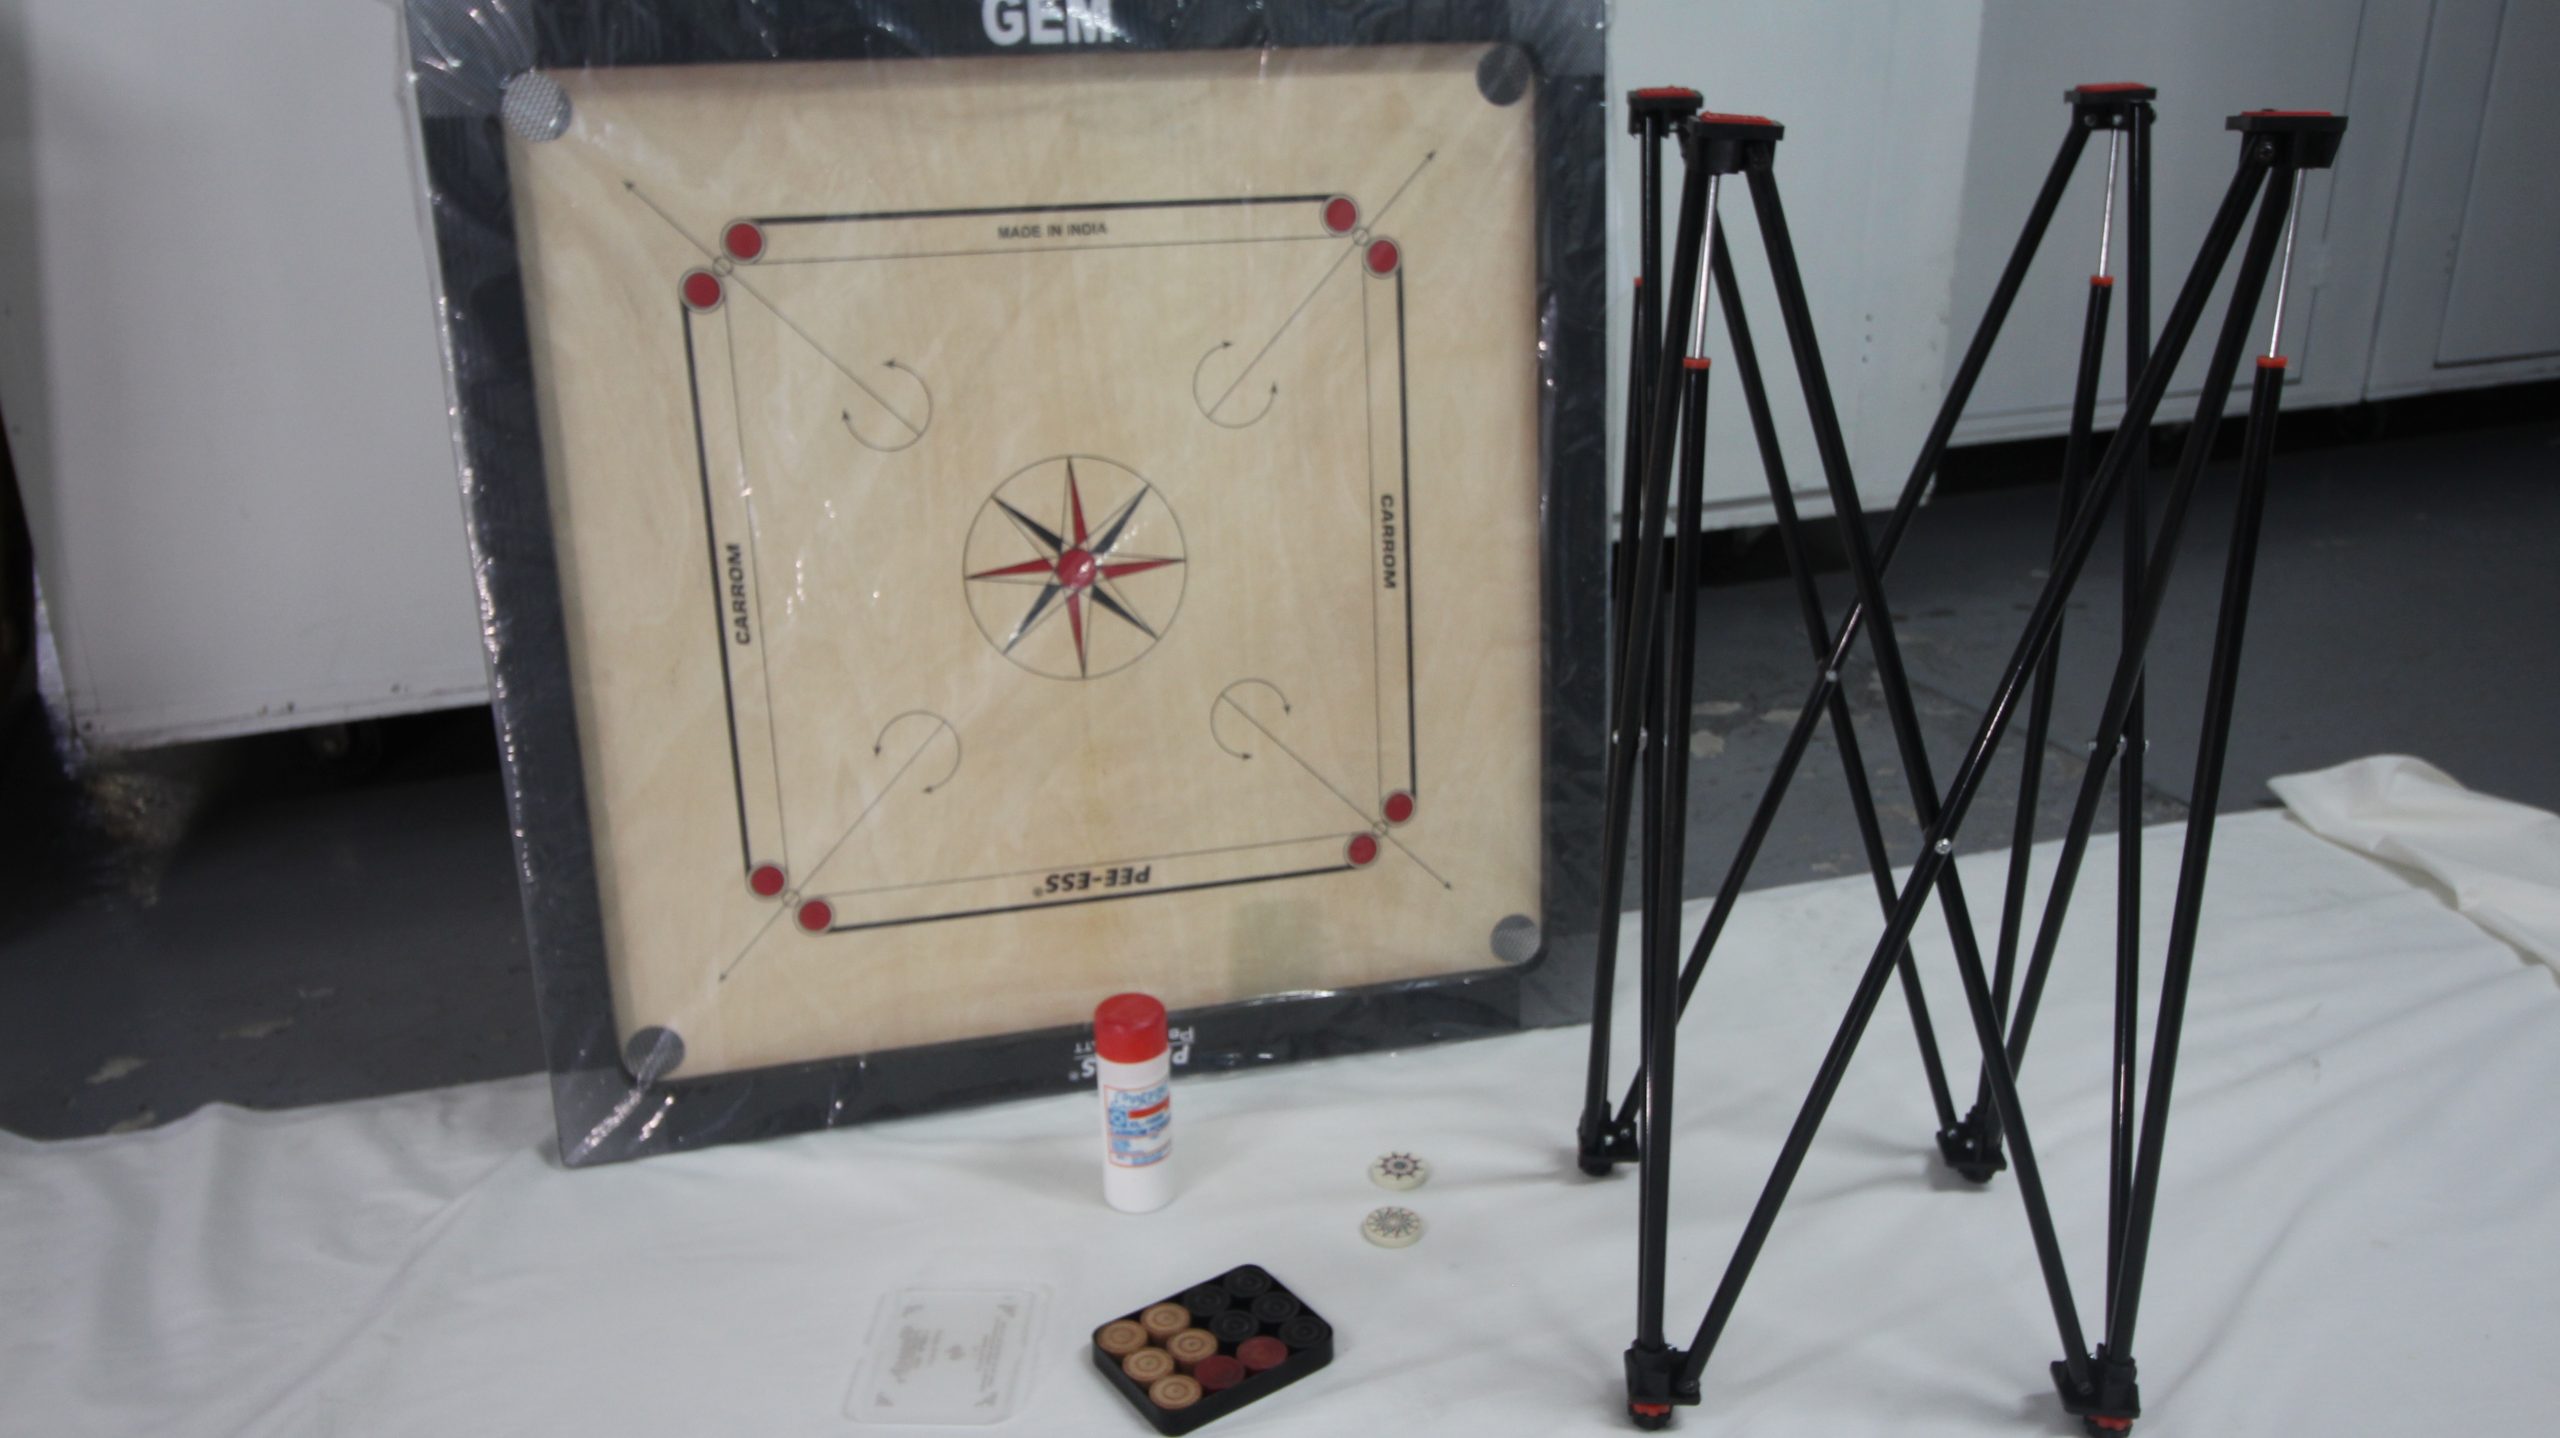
2312,135
2110,105
1661,105
1724,144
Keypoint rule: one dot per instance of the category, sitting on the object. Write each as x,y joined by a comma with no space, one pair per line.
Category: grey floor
247,923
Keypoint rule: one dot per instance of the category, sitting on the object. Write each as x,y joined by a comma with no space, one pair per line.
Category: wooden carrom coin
1033,530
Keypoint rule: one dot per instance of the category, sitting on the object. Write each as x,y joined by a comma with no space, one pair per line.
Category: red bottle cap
1128,1029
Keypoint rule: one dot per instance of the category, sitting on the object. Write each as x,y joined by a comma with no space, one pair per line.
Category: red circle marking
1364,850
702,289
816,915
1384,257
767,880
1341,215
1076,569
1399,807
743,241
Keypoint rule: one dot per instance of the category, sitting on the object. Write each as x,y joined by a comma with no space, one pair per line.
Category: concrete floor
245,922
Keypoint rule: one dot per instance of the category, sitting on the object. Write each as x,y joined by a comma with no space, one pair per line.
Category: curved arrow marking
1226,697
916,430
945,725
1209,408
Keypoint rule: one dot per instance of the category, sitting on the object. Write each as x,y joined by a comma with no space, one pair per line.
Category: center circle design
1075,567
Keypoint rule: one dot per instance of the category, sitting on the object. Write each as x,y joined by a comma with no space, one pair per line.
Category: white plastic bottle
1135,1064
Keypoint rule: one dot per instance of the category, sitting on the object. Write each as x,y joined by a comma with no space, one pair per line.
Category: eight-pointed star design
1080,567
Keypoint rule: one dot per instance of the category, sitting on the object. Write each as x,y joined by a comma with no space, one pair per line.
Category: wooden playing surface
1036,528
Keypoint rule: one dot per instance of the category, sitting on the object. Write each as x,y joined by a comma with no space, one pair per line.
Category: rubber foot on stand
1654,1386
2107,1408
1972,1148
1601,1144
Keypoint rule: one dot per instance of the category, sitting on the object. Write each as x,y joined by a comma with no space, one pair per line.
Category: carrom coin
1392,1227
1218,1373
1177,1392
1207,1301
1147,1365
1190,1346
1399,1171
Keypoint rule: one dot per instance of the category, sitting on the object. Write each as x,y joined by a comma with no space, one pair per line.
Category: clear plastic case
981,507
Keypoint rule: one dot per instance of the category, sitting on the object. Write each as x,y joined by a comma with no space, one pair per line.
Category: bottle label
1138,1124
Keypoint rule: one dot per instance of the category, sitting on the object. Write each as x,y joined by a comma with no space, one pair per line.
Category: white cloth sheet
2497,861
2359,1232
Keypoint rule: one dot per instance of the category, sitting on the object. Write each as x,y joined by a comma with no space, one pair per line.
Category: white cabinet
1875,95
218,366
2473,295
2209,60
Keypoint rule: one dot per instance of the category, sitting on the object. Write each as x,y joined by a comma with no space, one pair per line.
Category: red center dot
1364,850
702,289
1399,807
1383,257
1341,215
766,880
1075,569
816,915
744,240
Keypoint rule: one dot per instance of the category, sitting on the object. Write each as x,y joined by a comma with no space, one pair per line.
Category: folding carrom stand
982,507
1652,698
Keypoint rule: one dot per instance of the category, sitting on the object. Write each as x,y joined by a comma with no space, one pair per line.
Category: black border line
719,616
864,218
1096,899
1404,442
1120,862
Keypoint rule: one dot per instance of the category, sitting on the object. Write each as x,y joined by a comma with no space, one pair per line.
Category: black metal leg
1600,1143
1682,396
1984,1144
1662,937
1631,687
2129,781
2213,743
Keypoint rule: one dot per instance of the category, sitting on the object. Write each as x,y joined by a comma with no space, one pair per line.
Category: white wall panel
218,366
2209,60
2474,296
1874,95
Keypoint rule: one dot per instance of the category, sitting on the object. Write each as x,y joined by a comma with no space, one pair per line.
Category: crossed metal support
1653,692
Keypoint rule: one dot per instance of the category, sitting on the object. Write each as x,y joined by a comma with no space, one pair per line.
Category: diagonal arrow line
775,310
1366,817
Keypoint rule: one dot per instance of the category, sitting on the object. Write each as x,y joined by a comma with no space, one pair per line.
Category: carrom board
1025,531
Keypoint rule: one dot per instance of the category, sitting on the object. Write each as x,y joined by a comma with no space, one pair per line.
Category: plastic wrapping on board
978,507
